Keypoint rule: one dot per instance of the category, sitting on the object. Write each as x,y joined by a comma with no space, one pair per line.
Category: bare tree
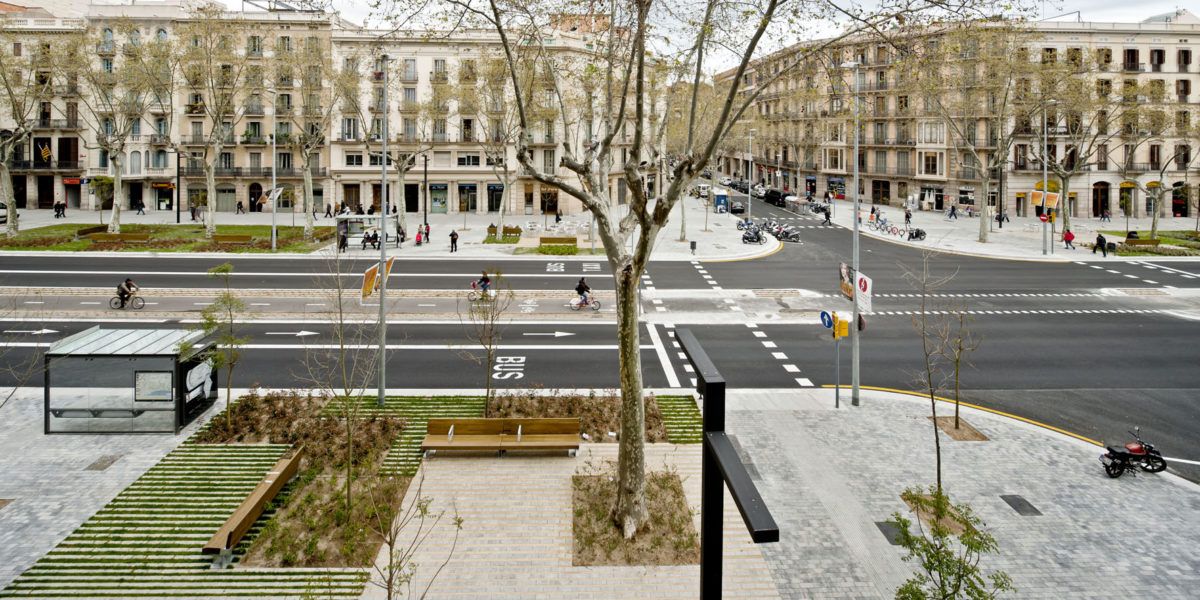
215,73
483,323
403,537
117,83
220,321
501,130
26,78
20,365
318,92
1144,129
958,342
343,368
932,376
619,65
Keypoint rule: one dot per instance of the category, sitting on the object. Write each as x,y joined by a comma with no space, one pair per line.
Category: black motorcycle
916,235
1138,453
754,236
789,235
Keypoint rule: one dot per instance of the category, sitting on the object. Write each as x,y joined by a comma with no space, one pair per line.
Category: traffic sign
863,295
826,319
1044,217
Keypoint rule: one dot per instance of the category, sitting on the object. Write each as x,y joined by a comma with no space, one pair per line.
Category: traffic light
841,327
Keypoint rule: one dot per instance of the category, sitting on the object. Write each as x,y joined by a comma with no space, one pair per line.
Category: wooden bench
236,526
84,232
134,238
567,240
231,238
501,435
507,230
1140,242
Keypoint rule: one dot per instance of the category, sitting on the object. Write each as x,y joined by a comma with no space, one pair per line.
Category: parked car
707,174
759,191
738,207
3,213
773,196
726,181
702,190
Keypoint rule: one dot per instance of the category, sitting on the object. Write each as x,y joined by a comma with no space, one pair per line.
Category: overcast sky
1091,10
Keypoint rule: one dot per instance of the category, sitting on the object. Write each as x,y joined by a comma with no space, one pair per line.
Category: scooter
743,224
1138,453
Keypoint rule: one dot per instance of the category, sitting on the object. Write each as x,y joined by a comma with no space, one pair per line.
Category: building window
254,45
410,96
468,130
285,43
106,64
410,70
16,48
468,159
548,162
410,129
103,159
354,160
283,160
439,130
256,160
1102,157
930,163
350,129
160,159
161,34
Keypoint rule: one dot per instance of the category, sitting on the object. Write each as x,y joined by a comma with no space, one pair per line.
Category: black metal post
425,187
720,466
177,190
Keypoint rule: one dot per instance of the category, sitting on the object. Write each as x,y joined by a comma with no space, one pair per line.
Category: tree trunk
937,442
210,202
308,202
401,206
1064,206
630,511
1157,198
114,223
6,196
985,221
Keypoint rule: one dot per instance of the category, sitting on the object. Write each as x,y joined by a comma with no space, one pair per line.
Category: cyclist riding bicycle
485,283
126,290
583,289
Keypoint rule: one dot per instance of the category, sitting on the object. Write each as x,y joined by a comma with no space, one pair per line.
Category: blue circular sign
827,319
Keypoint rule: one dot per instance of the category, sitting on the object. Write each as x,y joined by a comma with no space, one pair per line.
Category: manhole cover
889,531
1142,292
103,462
1021,505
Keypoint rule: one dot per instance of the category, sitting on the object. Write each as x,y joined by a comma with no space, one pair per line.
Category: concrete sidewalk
1020,238
716,239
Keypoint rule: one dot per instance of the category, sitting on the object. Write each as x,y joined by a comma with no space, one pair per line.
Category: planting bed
146,542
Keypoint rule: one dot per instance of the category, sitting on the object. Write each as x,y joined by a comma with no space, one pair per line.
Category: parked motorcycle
789,235
754,236
1138,453
916,234
743,224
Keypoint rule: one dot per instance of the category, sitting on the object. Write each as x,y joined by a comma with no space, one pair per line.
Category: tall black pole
178,198
425,187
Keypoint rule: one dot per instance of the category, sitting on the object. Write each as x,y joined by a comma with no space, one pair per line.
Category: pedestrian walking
1105,216
419,234
192,210
907,217
557,217
328,211
427,232
1068,238
403,236
141,206
953,214
827,220
1101,244
240,209
453,241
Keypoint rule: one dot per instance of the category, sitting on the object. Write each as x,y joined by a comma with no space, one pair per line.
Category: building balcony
106,48
1156,67
408,77
253,140
44,124
195,108
160,139
1132,67
255,110
439,77
67,89
45,165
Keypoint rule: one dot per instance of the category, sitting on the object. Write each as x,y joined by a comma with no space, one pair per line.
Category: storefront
836,186
164,193
933,197
881,191
495,196
1180,194
72,191
468,197
810,185
438,201
1101,203
966,195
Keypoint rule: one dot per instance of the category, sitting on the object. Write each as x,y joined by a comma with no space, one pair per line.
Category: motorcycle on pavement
1136,454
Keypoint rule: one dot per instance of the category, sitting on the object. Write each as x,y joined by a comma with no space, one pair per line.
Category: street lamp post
383,213
750,178
274,159
854,345
1045,174
178,199
425,188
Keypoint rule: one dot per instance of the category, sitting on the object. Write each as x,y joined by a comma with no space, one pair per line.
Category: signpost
862,297
841,328
371,281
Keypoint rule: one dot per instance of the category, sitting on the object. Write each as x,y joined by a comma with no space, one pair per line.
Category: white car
702,190
726,181
3,213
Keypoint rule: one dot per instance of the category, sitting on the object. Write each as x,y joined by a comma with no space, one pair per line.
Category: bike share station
127,381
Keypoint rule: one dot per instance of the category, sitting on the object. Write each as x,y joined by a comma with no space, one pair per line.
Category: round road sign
827,319
1044,217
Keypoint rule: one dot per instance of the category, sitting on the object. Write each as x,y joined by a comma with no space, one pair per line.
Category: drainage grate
1021,505
889,531
102,463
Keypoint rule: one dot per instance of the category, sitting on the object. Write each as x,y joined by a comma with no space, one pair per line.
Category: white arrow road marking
556,334
301,333
31,331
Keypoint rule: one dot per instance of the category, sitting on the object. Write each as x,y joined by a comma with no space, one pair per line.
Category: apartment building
803,125
437,118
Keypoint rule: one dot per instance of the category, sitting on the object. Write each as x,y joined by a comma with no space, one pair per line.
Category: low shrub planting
558,249
598,415
668,538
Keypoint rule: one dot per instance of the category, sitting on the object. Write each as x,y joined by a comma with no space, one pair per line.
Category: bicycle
135,302
578,303
477,294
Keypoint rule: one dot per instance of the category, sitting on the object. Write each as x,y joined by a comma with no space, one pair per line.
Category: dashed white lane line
791,368
1150,282
760,334
752,325
1131,276
656,301
201,303
34,302
89,303
660,309
1112,271
260,304
682,356
804,382
689,368
315,304
769,344
779,355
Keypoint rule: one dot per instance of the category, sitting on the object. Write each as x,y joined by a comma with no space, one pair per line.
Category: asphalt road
1045,353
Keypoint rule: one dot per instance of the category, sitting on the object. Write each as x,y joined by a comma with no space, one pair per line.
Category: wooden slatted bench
236,526
136,238
1140,242
565,240
501,435
231,238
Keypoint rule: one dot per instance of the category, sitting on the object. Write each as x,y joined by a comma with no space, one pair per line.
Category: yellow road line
977,407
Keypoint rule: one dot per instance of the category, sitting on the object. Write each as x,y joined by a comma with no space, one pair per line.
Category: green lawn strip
169,238
152,528
404,456
681,418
